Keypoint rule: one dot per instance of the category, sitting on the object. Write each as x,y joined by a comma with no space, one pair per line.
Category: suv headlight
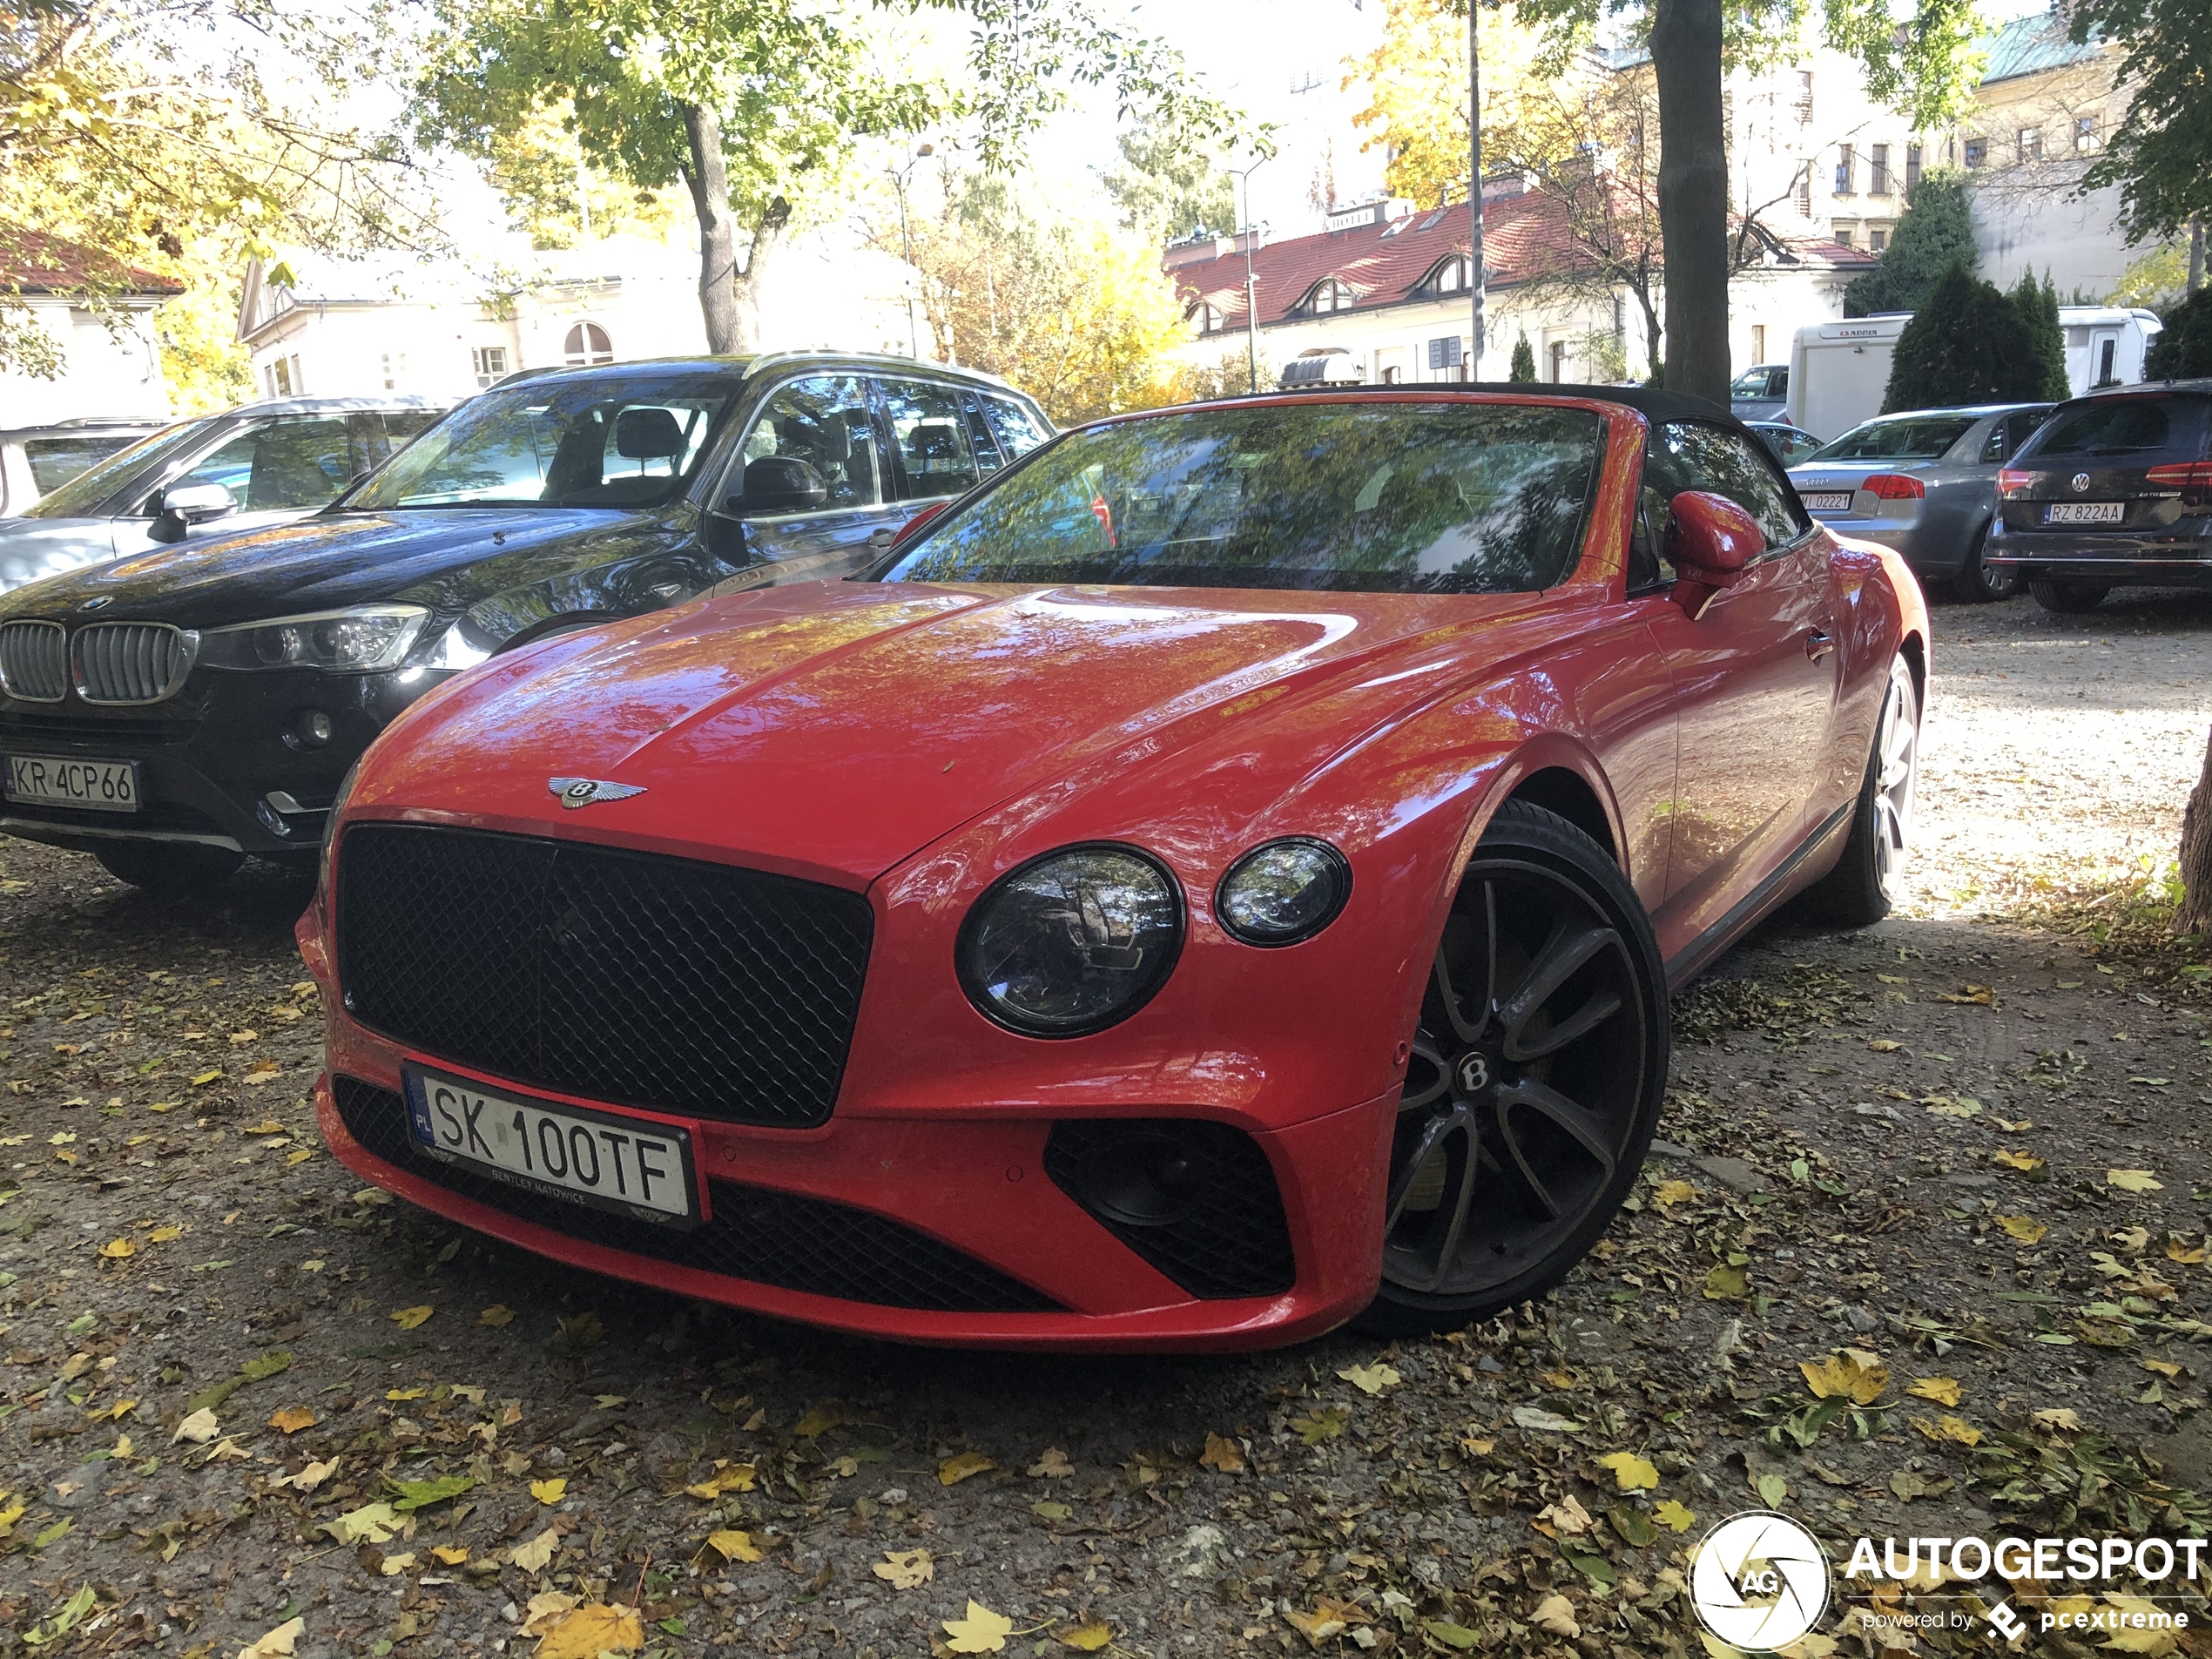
1073,941
362,640
1282,891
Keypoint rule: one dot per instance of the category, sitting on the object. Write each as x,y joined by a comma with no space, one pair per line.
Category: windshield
82,494
1917,438
596,441
1370,497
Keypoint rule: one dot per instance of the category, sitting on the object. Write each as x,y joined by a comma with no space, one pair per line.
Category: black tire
2067,598
1864,884
1980,585
1542,1102
174,869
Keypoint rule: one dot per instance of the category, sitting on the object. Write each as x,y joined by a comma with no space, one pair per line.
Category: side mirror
1711,541
185,505
780,485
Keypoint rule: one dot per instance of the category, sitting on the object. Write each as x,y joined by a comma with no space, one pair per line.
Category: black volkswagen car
2115,490
173,711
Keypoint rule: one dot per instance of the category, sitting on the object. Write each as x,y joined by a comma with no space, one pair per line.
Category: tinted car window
1706,457
825,423
979,433
1018,429
89,491
1916,438
1398,499
299,462
54,461
2124,426
932,438
600,441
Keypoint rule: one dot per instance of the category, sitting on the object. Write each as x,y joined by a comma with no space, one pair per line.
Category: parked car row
1275,825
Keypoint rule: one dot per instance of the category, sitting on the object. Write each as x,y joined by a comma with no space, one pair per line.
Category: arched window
1207,315
587,343
1454,276
1329,294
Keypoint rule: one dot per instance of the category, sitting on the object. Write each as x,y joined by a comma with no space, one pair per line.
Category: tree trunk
2196,251
2195,914
709,183
767,238
1653,336
1693,193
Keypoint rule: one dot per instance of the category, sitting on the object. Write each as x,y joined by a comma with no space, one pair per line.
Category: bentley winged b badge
583,792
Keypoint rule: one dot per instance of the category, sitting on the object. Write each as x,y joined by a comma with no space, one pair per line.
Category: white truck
1840,370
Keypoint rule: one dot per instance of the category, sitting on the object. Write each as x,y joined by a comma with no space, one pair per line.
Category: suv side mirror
780,485
1711,541
185,505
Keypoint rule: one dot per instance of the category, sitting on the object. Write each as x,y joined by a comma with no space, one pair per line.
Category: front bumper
210,758
960,1189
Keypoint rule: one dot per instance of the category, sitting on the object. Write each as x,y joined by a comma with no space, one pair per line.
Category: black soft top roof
1654,402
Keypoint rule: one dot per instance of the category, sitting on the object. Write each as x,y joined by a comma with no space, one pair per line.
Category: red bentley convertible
1220,878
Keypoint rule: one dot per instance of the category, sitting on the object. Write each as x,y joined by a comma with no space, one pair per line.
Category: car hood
32,549
842,727
445,558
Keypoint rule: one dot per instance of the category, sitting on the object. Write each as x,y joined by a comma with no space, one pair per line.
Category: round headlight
1283,891
1073,941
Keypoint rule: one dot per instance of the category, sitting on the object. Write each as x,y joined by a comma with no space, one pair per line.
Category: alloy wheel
1527,1078
1897,772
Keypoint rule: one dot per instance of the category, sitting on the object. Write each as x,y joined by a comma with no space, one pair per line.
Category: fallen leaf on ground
2026,1229
1853,1375
2134,1180
292,1418
1052,1465
1942,1390
2059,1417
393,1566
959,1467
727,1477
1565,1515
550,1492
1884,1045
533,1556
542,1608
1727,1283
408,1318
981,1631
1980,994
1223,1454
450,1555
1452,1635
373,1523
594,1629
497,1314
1556,1614
1323,1425
2026,1162
1087,1638
117,1250
1371,1379
420,1494
818,1419
907,1569
274,1643
164,1235
733,1546
1536,1417
1673,1516
2163,1367
1634,1473
197,1429
1671,1192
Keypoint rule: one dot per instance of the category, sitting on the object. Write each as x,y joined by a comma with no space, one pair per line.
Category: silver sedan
1925,484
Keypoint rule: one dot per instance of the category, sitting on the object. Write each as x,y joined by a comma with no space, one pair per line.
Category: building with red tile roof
96,314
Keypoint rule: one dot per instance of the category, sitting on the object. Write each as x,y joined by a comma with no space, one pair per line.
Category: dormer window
1454,276
1208,316
1329,294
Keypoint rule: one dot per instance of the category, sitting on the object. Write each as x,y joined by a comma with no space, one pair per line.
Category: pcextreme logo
1759,1580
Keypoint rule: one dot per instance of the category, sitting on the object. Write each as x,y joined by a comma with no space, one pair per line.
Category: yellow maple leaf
589,1631
1087,1638
2026,1162
164,1235
405,1394
451,1554
733,1546
1634,1473
117,1250
2134,1180
1727,1283
1673,1516
2026,1229
818,1419
1853,1375
274,1644
906,1569
1052,1465
2163,1367
1942,1390
408,1318
497,1314
550,1493
727,1477
1223,1453
1671,1192
981,1631
2057,1417
292,1418
267,1126
533,1556
957,1468
1371,1379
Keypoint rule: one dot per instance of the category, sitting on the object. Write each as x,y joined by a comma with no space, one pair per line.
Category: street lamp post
905,238
1475,189
1250,234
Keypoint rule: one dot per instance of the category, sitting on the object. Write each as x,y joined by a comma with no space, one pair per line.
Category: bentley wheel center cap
1473,1072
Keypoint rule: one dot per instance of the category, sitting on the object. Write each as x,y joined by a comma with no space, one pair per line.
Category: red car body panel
916,743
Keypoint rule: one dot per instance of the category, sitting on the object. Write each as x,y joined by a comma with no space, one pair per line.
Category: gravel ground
1909,1145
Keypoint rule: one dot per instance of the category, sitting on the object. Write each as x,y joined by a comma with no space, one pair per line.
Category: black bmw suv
173,711
2114,490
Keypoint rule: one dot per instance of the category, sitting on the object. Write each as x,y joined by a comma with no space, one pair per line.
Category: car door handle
1818,645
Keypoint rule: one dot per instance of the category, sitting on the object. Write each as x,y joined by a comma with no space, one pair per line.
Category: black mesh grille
1232,1242
767,1238
625,977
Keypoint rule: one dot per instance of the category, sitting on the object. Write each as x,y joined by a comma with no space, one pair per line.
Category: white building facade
99,320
